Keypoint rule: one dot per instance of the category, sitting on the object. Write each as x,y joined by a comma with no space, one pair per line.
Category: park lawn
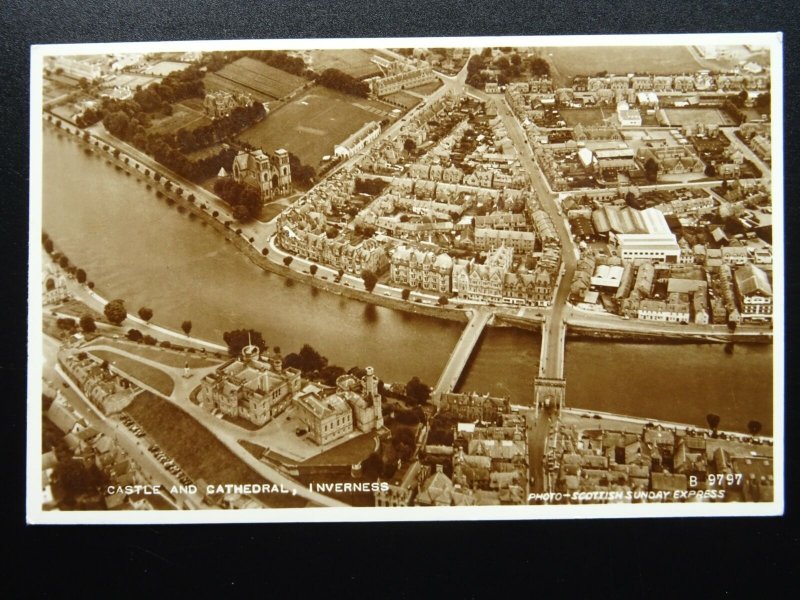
155,378
404,99
261,78
171,358
349,453
196,450
355,62
620,60
214,82
691,116
586,117
428,88
314,122
182,117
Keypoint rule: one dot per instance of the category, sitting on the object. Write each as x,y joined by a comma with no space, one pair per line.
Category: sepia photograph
406,279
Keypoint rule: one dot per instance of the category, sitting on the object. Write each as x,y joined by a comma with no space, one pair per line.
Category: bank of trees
342,82
245,200
115,311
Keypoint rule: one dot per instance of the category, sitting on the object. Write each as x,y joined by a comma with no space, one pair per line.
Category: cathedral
270,174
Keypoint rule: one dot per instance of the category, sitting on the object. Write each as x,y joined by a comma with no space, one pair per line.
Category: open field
155,378
195,449
165,67
256,77
620,60
349,453
690,116
313,123
586,116
428,88
183,117
171,358
356,63
404,99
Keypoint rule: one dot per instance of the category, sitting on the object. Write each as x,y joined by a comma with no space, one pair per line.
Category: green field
585,116
185,115
155,378
404,99
356,63
313,123
171,358
255,77
195,449
620,60
691,116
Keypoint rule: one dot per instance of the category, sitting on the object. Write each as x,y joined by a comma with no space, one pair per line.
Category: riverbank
577,332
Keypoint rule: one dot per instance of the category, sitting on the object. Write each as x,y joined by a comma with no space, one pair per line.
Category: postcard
406,279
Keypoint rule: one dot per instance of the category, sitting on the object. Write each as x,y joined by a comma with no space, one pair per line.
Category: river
135,247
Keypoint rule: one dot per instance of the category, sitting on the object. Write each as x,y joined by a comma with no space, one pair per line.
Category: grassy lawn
312,124
182,117
428,88
351,452
619,60
172,358
354,62
585,116
151,376
77,309
405,99
690,116
195,449
257,77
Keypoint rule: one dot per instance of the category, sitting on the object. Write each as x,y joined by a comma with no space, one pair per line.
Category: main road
552,367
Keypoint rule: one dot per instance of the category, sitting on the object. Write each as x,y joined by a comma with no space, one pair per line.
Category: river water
135,247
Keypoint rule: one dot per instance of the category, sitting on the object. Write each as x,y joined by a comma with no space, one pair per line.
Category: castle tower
249,352
371,391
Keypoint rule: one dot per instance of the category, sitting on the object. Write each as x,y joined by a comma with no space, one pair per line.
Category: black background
618,558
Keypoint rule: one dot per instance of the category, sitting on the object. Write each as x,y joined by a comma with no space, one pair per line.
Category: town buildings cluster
657,464
90,448
107,390
220,103
486,464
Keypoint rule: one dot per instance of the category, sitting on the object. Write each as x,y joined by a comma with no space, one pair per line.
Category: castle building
271,175
355,405
250,387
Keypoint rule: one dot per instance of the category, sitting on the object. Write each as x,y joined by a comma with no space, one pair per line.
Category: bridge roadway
461,352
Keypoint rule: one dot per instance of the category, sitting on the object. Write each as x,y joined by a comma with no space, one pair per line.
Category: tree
754,427
287,260
50,285
370,279
63,261
651,170
265,251
80,275
710,170
87,324
311,360
417,392
149,340
239,338
713,422
443,300
48,245
115,311
539,67
134,335
145,314
187,327
409,145
66,323
313,269
405,294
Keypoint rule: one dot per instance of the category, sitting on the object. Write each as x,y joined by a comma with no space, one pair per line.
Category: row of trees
342,82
